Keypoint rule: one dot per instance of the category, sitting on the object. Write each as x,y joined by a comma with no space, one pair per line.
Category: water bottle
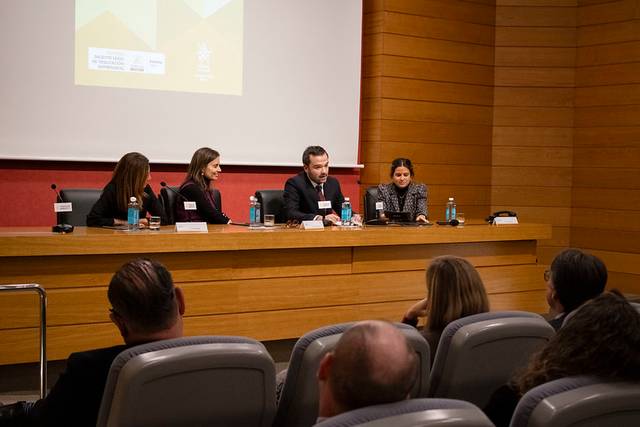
133,214
345,216
257,207
451,209
252,210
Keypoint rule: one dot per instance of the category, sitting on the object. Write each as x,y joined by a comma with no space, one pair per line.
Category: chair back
170,198
370,198
82,200
298,403
216,380
413,413
272,202
580,401
477,354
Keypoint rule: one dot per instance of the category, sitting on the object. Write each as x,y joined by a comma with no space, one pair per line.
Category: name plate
190,206
62,207
192,226
313,225
379,206
504,220
324,204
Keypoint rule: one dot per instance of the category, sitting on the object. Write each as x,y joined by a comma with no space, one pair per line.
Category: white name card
62,207
190,206
503,220
192,226
379,206
324,204
313,225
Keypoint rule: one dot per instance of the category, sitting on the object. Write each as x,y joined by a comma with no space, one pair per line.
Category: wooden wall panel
533,114
606,178
428,96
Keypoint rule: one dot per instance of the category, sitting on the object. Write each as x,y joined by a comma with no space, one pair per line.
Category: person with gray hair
146,307
372,363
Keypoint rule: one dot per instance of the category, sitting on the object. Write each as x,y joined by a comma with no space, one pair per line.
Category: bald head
372,364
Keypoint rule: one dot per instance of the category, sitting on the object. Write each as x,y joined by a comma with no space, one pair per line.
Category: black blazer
75,398
415,200
301,198
106,208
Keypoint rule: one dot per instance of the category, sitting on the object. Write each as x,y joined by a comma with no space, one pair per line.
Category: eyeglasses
547,275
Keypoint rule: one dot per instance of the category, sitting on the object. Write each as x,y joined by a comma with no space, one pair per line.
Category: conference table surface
270,283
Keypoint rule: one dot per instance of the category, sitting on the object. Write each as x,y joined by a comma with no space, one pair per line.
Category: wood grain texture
272,293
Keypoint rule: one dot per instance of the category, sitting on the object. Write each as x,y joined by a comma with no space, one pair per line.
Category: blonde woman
454,290
130,178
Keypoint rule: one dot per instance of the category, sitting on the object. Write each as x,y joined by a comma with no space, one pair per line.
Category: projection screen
258,80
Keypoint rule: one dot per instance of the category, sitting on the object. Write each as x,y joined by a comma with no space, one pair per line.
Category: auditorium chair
581,401
169,199
298,402
272,202
370,198
82,200
413,413
208,380
477,354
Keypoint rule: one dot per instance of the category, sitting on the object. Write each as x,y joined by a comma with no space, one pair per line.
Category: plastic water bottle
133,214
252,210
345,216
450,213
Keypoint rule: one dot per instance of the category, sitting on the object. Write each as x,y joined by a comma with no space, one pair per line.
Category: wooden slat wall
427,94
606,177
533,114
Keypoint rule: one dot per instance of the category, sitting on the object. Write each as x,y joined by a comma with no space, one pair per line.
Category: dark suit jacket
75,398
415,200
301,199
206,209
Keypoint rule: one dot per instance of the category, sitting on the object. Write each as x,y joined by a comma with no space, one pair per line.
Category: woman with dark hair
454,290
130,178
202,173
574,278
402,194
602,338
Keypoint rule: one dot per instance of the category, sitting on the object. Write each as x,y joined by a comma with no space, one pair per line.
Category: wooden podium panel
266,284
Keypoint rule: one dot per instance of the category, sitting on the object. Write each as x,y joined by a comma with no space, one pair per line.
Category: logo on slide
203,67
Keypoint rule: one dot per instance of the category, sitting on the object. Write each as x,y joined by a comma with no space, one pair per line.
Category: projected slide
174,45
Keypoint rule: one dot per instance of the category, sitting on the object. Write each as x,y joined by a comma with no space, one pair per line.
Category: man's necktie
320,193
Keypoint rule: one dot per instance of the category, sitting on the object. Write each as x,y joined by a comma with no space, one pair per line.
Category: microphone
163,184
55,190
453,222
60,227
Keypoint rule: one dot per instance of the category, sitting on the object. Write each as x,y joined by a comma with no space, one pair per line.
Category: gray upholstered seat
477,354
413,413
298,403
82,200
272,202
581,401
210,380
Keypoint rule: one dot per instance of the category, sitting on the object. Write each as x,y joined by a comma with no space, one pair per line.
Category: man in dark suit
313,194
146,307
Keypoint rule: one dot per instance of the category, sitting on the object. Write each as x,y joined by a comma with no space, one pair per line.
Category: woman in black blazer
402,194
130,178
203,171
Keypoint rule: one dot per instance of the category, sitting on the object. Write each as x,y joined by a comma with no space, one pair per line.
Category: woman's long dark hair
602,339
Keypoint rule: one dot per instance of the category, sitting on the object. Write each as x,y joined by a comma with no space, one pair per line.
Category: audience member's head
130,177
574,277
146,305
602,339
454,290
372,363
